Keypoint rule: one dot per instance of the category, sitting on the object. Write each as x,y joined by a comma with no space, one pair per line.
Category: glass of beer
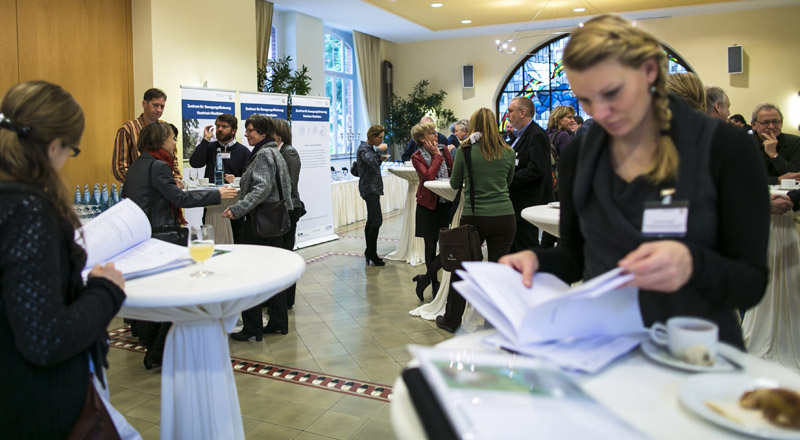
201,247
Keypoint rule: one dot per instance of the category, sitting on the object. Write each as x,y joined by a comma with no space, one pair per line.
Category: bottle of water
87,196
104,202
77,200
218,173
114,195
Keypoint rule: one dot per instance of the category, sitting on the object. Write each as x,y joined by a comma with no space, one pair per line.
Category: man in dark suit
458,132
234,158
412,147
533,178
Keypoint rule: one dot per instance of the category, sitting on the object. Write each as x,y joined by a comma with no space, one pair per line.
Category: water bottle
104,202
87,196
77,200
218,173
114,195
96,195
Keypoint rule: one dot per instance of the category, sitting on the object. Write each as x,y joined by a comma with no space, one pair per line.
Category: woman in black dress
649,150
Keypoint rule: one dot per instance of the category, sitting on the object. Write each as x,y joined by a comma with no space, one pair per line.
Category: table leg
198,393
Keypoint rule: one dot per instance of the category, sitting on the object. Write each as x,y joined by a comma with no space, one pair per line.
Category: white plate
662,356
556,205
727,389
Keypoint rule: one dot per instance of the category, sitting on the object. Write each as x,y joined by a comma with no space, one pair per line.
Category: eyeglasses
775,122
75,151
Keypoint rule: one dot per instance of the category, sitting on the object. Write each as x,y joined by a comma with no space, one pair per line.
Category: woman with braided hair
649,156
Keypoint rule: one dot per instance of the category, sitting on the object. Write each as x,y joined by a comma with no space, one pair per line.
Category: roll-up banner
311,138
267,104
200,108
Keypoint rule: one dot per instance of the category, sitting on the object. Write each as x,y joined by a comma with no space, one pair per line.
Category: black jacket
50,321
150,184
533,178
205,155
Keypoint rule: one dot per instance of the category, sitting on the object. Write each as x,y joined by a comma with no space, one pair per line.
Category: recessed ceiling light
579,10
436,5
466,21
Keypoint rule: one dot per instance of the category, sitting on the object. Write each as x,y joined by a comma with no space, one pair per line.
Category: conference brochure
121,235
494,395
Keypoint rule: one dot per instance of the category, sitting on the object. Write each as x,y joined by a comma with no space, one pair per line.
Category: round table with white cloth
198,393
772,328
544,217
639,391
349,207
223,233
471,319
410,249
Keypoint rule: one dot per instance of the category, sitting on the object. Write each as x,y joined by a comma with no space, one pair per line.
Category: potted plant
405,113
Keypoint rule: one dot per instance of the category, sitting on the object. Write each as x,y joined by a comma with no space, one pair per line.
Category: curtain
263,31
369,70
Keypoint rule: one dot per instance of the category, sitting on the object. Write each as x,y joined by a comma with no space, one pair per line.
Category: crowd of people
655,142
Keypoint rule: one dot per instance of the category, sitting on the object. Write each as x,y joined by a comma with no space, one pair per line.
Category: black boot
422,281
435,286
371,253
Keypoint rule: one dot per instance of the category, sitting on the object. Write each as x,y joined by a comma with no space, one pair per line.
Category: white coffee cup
237,181
789,183
683,332
204,181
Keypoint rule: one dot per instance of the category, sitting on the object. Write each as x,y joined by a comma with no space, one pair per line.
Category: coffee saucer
662,356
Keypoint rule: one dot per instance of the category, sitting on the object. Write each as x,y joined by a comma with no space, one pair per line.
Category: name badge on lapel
226,155
667,218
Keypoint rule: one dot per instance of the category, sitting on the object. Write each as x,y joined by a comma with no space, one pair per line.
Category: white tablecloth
410,249
223,234
471,319
543,217
772,328
349,207
644,394
198,394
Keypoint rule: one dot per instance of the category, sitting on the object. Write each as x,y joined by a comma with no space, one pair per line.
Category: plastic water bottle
104,202
87,196
218,173
77,200
114,195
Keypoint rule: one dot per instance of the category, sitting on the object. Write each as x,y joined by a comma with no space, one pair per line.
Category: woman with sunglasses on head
651,155
52,323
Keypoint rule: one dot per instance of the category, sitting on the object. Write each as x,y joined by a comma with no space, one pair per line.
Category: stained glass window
541,78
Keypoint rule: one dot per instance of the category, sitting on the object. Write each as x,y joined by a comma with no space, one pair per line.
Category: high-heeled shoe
422,281
374,259
150,360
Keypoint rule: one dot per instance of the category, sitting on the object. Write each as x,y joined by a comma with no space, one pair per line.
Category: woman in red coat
432,161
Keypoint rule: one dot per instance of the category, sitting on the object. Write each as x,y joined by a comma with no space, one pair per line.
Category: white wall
768,37
303,41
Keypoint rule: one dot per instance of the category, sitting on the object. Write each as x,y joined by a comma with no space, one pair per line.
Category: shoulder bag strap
468,161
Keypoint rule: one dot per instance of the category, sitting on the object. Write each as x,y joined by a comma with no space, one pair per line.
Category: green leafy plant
404,113
278,77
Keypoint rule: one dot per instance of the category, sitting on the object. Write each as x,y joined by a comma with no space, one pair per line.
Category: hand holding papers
121,235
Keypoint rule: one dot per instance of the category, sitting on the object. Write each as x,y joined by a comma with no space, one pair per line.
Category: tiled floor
348,320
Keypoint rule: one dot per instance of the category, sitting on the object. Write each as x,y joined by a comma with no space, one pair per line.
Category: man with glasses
781,150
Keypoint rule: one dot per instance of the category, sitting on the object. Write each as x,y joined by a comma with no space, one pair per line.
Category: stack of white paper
550,310
121,235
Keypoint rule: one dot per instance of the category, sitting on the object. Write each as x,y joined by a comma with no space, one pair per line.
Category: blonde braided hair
609,37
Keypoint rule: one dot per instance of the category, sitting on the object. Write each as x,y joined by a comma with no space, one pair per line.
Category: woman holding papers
432,161
150,184
656,188
492,213
52,324
266,178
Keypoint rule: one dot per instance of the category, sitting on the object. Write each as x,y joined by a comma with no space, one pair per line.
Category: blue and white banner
311,138
267,104
200,108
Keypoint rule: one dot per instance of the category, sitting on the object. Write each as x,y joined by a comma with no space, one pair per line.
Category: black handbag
271,219
461,243
175,233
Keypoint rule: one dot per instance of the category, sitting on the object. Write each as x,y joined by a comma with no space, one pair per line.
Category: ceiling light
466,21
436,5
579,10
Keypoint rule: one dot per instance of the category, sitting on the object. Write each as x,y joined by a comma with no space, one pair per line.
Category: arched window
340,80
541,78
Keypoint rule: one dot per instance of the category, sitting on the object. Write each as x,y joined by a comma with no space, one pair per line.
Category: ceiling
403,21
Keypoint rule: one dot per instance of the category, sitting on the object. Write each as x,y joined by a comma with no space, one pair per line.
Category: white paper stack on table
582,328
121,235
501,396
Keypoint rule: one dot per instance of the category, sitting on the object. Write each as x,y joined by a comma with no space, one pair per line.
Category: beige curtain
369,70
263,31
